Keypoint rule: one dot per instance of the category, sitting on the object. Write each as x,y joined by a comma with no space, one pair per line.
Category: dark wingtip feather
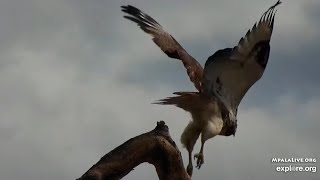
248,32
269,14
275,5
139,17
157,101
130,9
279,2
162,101
134,19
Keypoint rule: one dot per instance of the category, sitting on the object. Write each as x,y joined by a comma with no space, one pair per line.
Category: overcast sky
77,80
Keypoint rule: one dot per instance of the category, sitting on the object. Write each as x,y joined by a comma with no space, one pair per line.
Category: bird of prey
227,76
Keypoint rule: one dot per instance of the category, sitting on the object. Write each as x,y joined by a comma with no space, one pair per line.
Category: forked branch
155,147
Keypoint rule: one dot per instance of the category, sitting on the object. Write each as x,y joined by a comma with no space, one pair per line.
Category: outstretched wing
166,43
230,72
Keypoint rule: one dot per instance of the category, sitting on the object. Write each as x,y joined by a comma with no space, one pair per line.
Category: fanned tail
189,101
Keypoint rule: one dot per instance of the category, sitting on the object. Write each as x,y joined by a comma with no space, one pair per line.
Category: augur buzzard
221,85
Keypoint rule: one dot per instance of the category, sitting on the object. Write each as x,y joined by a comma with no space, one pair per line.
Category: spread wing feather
230,72
166,43
260,32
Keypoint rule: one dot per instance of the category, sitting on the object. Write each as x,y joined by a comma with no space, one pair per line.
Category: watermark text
295,164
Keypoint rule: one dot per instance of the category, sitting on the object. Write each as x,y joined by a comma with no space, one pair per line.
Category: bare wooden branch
155,147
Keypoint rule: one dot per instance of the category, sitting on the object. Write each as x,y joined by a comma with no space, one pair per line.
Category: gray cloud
77,81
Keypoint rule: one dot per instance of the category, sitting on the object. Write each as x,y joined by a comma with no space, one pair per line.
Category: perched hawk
221,85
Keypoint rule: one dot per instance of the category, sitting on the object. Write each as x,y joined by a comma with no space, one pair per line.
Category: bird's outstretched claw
200,160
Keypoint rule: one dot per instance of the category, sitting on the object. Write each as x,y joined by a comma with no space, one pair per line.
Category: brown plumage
227,76
166,43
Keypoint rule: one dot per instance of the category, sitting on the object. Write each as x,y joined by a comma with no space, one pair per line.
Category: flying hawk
221,85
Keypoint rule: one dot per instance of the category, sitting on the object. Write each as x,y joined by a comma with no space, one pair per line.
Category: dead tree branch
155,147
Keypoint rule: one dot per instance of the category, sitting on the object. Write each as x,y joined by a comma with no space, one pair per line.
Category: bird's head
229,115
232,123
232,116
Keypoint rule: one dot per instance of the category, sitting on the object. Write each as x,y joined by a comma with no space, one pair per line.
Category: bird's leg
188,139
190,166
199,156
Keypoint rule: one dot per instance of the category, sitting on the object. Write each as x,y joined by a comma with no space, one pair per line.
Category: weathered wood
155,147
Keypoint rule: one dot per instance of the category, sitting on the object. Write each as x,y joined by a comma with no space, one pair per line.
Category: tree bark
155,147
